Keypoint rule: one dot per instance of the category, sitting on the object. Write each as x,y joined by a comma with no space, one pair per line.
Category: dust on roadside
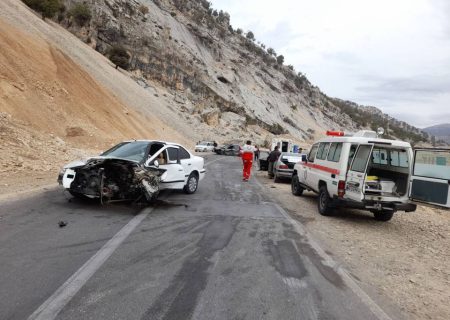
406,260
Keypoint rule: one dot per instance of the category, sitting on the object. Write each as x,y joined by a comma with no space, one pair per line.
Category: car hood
98,159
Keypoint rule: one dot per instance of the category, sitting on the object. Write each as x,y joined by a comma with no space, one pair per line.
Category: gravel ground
405,260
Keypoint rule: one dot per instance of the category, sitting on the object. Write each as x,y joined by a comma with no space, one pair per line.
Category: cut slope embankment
52,111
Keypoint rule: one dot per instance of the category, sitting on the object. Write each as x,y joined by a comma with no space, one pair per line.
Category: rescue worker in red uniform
247,153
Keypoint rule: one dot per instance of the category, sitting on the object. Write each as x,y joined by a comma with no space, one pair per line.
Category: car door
309,177
356,175
430,179
186,161
174,177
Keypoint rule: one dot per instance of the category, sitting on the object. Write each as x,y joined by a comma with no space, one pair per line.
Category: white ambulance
365,172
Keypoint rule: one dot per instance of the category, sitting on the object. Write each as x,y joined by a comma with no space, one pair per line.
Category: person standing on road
272,158
256,153
248,153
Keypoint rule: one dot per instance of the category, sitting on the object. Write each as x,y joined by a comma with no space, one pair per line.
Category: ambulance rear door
356,174
430,179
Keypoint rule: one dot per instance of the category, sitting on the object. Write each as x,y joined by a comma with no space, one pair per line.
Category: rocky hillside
441,132
226,84
194,71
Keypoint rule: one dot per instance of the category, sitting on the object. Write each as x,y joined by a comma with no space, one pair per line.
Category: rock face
210,69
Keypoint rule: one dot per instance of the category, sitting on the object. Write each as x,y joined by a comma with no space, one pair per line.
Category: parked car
134,170
232,150
284,166
263,163
220,149
379,175
204,146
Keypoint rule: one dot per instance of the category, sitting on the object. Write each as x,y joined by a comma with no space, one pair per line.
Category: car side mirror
304,158
149,164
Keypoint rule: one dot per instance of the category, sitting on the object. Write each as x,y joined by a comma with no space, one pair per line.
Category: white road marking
349,281
56,302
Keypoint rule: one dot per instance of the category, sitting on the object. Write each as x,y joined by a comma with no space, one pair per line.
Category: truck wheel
324,202
296,189
383,215
192,184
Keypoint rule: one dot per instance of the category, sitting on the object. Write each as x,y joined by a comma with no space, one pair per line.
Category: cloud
394,55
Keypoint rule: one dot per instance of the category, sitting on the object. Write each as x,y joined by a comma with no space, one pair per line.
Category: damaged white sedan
134,170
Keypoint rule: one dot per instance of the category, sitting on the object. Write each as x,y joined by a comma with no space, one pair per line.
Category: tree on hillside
120,57
280,59
239,31
250,36
271,52
47,8
81,13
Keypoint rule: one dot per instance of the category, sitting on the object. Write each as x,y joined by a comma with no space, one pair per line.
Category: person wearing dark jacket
272,158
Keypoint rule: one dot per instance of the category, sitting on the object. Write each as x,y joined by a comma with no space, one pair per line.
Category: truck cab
380,175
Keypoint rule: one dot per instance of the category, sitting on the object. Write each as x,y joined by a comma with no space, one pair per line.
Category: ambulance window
322,151
351,153
312,153
399,158
335,152
362,155
379,156
432,164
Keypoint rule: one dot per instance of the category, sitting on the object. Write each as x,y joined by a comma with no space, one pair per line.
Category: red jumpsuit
248,152
247,159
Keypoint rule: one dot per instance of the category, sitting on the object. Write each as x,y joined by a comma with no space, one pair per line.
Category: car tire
383,215
296,188
323,203
191,184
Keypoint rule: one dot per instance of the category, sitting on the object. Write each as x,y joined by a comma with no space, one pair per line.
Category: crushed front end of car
111,179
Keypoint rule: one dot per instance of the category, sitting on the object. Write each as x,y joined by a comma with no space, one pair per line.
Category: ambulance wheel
192,184
324,202
296,189
383,215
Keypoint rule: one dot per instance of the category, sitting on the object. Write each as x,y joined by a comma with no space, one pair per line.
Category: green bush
47,8
280,59
250,36
120,57
81,13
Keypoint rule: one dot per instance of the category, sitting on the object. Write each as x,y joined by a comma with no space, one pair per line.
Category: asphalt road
226,252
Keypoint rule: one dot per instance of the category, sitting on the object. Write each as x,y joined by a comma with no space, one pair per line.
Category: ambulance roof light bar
361,133
337,133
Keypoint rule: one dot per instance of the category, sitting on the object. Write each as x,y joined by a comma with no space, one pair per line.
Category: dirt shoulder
405,260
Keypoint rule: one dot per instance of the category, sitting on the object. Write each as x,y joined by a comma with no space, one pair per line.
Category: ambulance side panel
430,181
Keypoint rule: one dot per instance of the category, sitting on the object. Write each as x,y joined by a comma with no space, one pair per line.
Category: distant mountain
440,131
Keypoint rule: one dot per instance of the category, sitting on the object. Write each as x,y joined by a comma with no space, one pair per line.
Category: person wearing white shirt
247,153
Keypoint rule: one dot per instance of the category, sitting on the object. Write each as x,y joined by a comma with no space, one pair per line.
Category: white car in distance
204,146
134,170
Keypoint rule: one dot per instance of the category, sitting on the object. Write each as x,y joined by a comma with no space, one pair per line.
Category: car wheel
296,189
324,202
192,184
383,215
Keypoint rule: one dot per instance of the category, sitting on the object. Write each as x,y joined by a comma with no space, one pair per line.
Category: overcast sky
392,54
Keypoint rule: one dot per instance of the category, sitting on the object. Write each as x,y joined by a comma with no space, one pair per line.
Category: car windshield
128,150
